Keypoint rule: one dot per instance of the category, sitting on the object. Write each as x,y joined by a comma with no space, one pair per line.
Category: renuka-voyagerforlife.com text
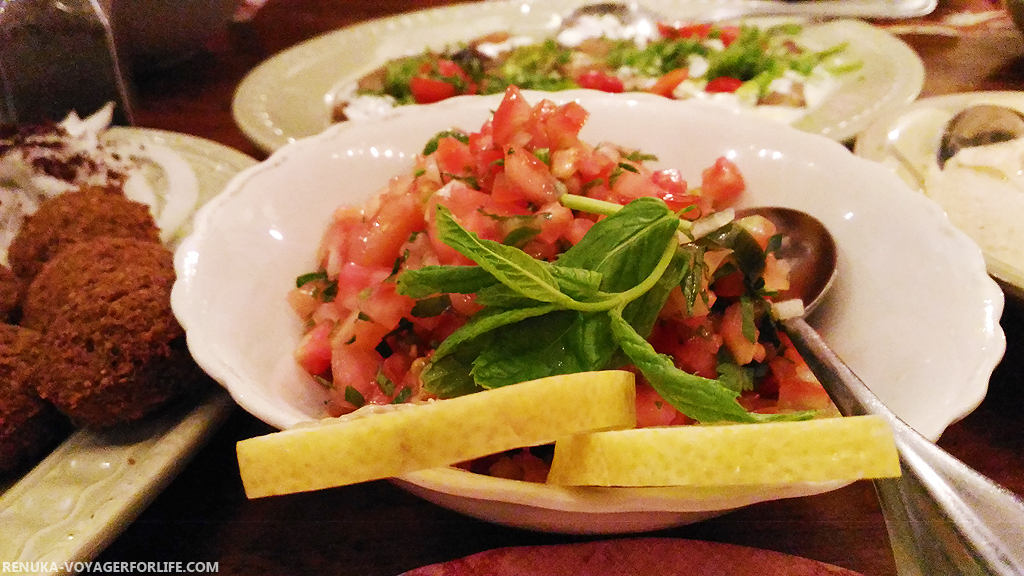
109,567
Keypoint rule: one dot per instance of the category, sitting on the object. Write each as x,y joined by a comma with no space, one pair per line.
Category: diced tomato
385,306
730,285
798,388
314,350
600,80
728,34
428,90
355,282
578,229
722,183
530,177
356,367
454,157
697,31
725,84
554,222
395,367
563,125
665,85
652,409
399,215
334,247
465,205
694,351
512,113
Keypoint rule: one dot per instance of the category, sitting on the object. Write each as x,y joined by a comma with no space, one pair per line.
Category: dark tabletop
376,529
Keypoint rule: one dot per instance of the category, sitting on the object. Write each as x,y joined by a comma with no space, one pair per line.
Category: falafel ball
28,424
115,351
11,288
73,217
103,262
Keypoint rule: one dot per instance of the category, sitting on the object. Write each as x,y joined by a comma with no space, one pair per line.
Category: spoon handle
943,517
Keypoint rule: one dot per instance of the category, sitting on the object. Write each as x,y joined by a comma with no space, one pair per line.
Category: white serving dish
913,311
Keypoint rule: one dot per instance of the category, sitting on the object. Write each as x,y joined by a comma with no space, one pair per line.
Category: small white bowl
913,311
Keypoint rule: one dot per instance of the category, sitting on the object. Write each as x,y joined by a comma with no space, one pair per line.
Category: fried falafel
73,217
28,424
104,262
11,289
115,350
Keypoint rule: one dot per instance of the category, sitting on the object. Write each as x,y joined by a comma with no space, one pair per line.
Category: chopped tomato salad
518,251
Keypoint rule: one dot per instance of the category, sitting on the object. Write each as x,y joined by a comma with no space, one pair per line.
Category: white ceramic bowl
912,312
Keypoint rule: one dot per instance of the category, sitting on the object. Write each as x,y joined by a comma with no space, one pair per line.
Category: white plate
906,140
83,494
287,97
913,311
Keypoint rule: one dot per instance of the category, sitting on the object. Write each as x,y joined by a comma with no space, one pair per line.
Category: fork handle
943,517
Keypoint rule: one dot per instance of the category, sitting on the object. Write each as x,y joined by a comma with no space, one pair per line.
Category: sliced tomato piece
563,125
427,90
697,31
509,118
728,34
722,183
381,239
723,84
600,80
454,157
314,351
530,176
665,85
652,409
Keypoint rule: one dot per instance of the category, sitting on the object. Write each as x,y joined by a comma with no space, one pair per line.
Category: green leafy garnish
591,309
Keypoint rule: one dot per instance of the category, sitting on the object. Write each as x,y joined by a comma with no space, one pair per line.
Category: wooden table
376,529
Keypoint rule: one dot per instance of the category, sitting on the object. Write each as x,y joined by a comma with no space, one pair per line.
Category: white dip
982,191
44,161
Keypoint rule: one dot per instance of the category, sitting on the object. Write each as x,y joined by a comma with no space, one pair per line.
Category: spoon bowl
808,246
977,126
943,517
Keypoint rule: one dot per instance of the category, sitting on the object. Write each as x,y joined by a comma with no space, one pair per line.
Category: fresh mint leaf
483,322
626,246
700,398
560,342
431,306
643,312
449,377
510,265
433,280
735,377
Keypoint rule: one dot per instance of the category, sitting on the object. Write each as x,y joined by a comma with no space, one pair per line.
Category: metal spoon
942,516
979,125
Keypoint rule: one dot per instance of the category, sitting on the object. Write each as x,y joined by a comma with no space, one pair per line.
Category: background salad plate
913,311
74,502
291,95
906,141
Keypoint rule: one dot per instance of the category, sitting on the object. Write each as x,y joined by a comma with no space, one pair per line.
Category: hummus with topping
982,191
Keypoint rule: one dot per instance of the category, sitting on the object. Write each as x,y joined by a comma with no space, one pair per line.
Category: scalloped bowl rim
766,153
